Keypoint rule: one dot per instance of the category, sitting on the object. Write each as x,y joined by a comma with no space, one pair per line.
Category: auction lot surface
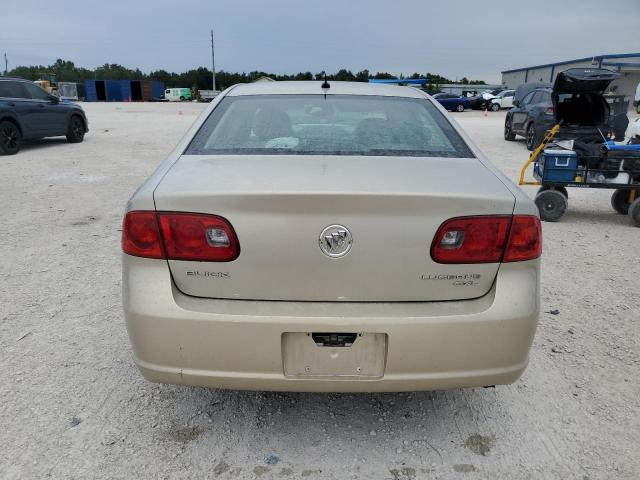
73,405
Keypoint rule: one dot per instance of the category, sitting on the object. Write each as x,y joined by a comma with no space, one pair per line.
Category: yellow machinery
547,138
621,174
48,82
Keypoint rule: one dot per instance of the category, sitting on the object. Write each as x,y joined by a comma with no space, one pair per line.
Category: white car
634,131
502,100
306,236
489,95
177,94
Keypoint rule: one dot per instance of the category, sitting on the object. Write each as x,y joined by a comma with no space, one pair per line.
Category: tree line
200,78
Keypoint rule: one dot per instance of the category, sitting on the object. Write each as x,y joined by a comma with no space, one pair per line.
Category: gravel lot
72,404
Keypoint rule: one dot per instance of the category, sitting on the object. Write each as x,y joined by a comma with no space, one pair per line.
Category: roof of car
336,88
2,77
526,88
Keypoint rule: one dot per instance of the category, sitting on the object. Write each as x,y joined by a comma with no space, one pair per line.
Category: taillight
487,239
179,236
141,235
548,111
198,237
525,239
471,240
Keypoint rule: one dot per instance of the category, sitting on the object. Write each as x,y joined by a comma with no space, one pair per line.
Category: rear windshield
331,125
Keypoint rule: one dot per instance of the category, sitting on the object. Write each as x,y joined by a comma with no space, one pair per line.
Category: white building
628,64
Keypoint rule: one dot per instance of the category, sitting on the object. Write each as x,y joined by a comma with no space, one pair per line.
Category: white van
177,94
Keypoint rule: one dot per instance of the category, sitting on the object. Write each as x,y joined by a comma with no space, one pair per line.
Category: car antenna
325,84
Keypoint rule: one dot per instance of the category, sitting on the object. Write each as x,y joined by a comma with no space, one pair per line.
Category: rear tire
460,108
10,138
508,131
495,107
75,130
551,204
638,108
558,188
182,99
634,212
620,200
531,139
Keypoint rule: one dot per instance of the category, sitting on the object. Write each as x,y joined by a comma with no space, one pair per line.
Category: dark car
452,102
477,102
28,112
482,100
575,100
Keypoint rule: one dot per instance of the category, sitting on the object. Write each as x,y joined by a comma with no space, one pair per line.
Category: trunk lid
279,205
579,103
576,80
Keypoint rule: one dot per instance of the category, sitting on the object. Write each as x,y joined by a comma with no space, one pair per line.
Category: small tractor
47,81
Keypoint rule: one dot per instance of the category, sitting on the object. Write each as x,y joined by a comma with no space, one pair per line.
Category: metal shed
91,94
118,90
141,90
627,64
107,90
123,90
157,89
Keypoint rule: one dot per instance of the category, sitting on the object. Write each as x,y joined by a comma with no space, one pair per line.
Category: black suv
28,112
575,100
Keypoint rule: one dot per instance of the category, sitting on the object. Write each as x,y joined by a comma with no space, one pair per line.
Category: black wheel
10,138
620,200
75,130
531,138
460,108
638,108
495,107
181,98
558,188
508,132
634,212
551,204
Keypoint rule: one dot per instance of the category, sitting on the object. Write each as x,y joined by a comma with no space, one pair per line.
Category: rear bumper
237,344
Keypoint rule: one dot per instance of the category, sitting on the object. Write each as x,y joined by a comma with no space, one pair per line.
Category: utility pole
213,64
6,64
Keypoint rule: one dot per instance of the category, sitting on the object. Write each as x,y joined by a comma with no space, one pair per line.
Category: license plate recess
311,355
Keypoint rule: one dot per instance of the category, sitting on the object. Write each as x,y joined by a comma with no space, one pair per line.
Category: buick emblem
335,241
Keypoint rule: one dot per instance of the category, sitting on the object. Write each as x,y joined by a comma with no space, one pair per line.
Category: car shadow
594,217
41,143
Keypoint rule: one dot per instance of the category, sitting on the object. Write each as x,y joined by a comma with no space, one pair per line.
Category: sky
455,38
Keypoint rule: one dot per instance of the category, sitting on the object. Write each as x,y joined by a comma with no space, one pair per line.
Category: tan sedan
330,237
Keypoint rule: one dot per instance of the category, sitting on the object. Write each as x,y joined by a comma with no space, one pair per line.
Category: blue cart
610,166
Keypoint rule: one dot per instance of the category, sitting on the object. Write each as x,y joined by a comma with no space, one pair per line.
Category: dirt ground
73,406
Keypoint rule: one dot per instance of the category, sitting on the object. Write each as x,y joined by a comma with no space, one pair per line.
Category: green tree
344,75
200,78
362,76
383,76
434,78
